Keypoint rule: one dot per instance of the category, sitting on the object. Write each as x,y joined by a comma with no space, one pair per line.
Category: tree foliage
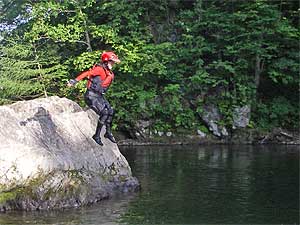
176,56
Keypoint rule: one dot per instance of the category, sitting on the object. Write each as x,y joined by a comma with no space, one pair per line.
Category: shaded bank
238,136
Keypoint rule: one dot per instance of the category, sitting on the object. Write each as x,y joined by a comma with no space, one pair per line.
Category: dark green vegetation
177,55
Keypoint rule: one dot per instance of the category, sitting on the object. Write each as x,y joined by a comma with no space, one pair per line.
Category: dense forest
177,56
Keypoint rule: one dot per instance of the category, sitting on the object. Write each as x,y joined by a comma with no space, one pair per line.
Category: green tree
28,70
176,56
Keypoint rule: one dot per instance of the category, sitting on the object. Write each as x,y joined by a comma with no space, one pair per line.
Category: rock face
241,117
49,160
211,116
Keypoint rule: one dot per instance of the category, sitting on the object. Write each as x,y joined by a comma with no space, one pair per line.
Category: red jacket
106,76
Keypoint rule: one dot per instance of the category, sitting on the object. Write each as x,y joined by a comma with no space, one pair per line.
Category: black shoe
97,139
110,137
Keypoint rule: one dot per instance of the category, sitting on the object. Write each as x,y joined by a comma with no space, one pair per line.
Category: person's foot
110,137
97,139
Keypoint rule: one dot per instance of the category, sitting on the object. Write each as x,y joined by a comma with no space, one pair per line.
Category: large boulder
211,117
49,160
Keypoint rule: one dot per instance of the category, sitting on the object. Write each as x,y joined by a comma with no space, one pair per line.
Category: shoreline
241,137
133,142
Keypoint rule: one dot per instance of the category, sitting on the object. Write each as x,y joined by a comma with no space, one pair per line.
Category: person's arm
81,76
84,75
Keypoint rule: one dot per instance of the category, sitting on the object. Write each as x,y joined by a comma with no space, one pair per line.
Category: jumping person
100,77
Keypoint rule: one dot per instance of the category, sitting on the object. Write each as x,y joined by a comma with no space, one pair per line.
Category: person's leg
104,116
96,136
96,103
108,122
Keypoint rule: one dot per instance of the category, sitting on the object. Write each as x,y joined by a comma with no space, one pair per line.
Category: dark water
196,185
215,184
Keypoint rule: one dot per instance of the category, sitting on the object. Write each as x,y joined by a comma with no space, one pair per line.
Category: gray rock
211,116
142,128
160,133
201,134
241,117
143,124
49,160
224,132
169,134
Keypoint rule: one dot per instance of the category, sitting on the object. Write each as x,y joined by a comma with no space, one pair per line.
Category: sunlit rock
49,160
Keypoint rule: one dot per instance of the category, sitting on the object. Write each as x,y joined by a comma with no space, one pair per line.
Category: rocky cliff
49,160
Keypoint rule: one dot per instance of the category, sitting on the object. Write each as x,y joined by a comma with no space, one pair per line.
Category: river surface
214,184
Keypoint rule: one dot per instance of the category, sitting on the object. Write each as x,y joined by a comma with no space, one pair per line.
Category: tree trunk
259,66
257,70
39,66
88,40
87,35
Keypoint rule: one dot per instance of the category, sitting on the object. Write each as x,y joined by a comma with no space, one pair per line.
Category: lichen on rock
49,160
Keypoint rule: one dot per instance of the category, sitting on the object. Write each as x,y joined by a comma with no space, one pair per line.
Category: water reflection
215,184
105,212
195,185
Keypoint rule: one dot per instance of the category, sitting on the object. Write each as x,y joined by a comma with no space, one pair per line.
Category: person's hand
71,83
